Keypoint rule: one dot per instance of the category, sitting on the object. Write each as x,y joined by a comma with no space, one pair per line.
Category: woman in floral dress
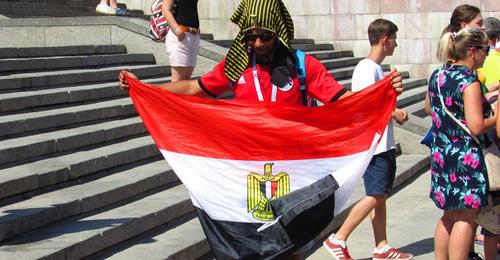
459,185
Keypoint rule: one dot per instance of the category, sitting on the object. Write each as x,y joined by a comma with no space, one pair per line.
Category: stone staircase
54,8
79,175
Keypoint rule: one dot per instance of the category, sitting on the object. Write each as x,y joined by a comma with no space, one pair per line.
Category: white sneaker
105,9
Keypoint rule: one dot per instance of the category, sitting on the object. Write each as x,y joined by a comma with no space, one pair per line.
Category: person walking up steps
380,174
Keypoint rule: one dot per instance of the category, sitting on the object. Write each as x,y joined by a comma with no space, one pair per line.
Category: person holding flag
265,142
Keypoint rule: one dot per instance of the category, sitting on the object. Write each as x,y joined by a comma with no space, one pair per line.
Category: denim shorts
380,174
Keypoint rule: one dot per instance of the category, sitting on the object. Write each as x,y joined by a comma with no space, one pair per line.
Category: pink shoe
392,253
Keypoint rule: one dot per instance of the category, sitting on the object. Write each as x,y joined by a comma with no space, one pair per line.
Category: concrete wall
344,23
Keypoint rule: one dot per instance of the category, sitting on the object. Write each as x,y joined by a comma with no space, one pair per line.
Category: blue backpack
300,68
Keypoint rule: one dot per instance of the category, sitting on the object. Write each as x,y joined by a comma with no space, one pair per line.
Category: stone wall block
355,6
490,5
414,51
339,27
393,6
78,35
316,7
24,37
425,25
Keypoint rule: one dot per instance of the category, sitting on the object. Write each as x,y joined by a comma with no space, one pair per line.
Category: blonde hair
454,46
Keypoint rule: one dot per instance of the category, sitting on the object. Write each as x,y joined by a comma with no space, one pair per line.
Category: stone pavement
411,220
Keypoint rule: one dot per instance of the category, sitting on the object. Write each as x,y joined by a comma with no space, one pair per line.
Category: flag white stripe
219,186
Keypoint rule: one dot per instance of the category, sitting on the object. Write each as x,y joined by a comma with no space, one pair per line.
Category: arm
427,103
397,84
184,87
498,120
473,108
166,9
493,86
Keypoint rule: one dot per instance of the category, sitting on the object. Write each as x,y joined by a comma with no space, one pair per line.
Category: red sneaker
392,253
338,252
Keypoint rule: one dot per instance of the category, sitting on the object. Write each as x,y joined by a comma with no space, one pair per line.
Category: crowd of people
260,66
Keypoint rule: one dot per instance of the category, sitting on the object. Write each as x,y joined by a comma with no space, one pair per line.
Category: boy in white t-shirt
381,172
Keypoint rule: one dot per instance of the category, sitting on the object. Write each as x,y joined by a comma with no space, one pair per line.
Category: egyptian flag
265,179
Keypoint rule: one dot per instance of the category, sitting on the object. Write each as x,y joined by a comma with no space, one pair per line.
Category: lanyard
257,84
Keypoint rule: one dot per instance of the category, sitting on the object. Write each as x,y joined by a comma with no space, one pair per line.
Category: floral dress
457,163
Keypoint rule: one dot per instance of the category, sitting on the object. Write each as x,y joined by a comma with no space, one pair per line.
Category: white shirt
365,74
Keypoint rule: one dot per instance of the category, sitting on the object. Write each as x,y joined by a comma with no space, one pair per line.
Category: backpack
300,68
158,26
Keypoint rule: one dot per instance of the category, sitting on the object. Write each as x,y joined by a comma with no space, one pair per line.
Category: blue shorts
380,174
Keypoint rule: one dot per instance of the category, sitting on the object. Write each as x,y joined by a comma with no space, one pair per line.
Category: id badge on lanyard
257,84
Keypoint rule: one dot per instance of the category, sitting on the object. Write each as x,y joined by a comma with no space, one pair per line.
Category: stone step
9,66
46,9
340,62
293,42
24,123
185,241
32,52
328,54
419,121
98,228
33,146
77,76
15,101
314,47
412,96
24,179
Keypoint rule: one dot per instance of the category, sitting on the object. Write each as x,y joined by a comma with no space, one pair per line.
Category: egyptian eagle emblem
264,188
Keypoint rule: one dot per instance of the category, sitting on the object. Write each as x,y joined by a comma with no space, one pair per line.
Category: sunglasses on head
485,48
264,37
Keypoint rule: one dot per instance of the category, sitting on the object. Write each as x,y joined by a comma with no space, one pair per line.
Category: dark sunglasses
264,37
485,48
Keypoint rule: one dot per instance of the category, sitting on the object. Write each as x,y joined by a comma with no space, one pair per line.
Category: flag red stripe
257,131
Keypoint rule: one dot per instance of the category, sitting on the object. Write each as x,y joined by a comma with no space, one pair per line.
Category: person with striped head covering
261,65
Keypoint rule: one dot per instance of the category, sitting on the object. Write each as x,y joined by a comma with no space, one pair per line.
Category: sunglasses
264,37
485,48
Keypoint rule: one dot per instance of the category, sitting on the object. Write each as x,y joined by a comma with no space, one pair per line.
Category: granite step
328,54
171,242
43,120
33,146
340,62
314,47
73,95
76,50
23,65
99,199
77,76
412,96
26,179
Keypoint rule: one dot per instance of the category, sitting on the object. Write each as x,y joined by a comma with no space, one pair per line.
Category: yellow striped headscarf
271,15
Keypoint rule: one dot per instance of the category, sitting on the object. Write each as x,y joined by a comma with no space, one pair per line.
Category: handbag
427,139
158,27
491,154
489,217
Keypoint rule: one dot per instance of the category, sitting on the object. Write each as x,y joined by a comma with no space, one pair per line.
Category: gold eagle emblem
264,188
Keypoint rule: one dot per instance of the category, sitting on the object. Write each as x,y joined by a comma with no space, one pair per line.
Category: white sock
382,250
337,241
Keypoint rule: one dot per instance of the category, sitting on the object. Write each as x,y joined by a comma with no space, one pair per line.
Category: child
381,172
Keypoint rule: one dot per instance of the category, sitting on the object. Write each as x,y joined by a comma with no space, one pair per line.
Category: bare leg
112,4
378,217
181,73
461,233
441,237
356,216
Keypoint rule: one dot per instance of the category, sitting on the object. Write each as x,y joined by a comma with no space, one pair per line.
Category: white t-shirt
365,74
